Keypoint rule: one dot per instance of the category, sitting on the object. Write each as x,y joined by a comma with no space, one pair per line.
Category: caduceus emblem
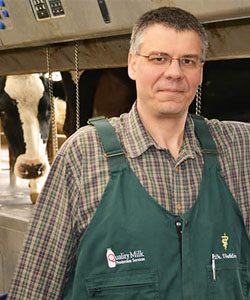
224,240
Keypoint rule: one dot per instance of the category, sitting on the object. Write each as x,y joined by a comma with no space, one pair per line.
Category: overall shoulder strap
110,143
206,141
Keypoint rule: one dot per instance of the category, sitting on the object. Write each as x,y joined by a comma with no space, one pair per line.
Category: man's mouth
171,90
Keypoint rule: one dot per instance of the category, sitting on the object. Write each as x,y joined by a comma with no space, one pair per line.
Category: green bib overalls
133,249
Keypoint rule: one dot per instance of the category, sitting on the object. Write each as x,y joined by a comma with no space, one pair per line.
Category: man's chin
167,96
171,109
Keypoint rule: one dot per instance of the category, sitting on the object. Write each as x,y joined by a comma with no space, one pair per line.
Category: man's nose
174,69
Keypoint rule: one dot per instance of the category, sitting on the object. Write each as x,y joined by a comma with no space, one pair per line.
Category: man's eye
157,59
187,61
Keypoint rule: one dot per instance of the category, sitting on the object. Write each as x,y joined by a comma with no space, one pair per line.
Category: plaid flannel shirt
80,174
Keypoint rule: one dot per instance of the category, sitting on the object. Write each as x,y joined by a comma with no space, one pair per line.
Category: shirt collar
190,147
137,140
135,137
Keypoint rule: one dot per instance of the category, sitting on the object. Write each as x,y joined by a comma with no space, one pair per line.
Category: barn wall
24,40
82,19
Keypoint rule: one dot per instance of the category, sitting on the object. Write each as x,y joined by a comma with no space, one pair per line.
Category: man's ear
131,66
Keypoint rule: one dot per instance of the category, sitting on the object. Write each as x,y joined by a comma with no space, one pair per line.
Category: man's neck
167,132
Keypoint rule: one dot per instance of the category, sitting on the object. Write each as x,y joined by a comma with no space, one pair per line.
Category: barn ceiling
103,32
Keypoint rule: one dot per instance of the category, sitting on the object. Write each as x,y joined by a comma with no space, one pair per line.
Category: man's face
166,90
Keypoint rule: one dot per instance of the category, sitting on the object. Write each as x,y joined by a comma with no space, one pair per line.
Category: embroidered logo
224,240
111,258
124,258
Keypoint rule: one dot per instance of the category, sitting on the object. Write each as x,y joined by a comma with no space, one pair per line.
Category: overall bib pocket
124,286
229,280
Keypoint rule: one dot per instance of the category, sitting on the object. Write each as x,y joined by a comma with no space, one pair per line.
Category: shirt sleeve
48,252
233,142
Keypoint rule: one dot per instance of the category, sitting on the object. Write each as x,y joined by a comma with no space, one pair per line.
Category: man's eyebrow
158,53
165,53
191,55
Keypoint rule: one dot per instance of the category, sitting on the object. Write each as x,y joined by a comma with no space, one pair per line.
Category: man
155,205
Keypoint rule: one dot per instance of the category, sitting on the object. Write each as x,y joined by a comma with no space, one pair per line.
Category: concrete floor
15,212
14,201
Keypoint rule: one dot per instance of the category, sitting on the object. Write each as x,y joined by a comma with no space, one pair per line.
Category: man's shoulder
230,130
218,125
86,137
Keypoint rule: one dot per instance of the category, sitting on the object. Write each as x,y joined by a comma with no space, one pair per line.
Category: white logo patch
130,257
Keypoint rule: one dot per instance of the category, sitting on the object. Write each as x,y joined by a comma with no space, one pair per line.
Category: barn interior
39,36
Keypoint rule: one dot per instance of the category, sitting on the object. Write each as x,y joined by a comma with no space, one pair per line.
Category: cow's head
25,113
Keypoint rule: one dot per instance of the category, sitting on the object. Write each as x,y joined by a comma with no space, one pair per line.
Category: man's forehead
166,28
157,35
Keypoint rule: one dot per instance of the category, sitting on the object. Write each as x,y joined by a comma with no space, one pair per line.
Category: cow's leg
12,161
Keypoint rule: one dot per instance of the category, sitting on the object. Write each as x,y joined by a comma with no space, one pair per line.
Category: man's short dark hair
171,17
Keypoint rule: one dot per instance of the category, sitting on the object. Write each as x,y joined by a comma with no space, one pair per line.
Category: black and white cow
25,114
